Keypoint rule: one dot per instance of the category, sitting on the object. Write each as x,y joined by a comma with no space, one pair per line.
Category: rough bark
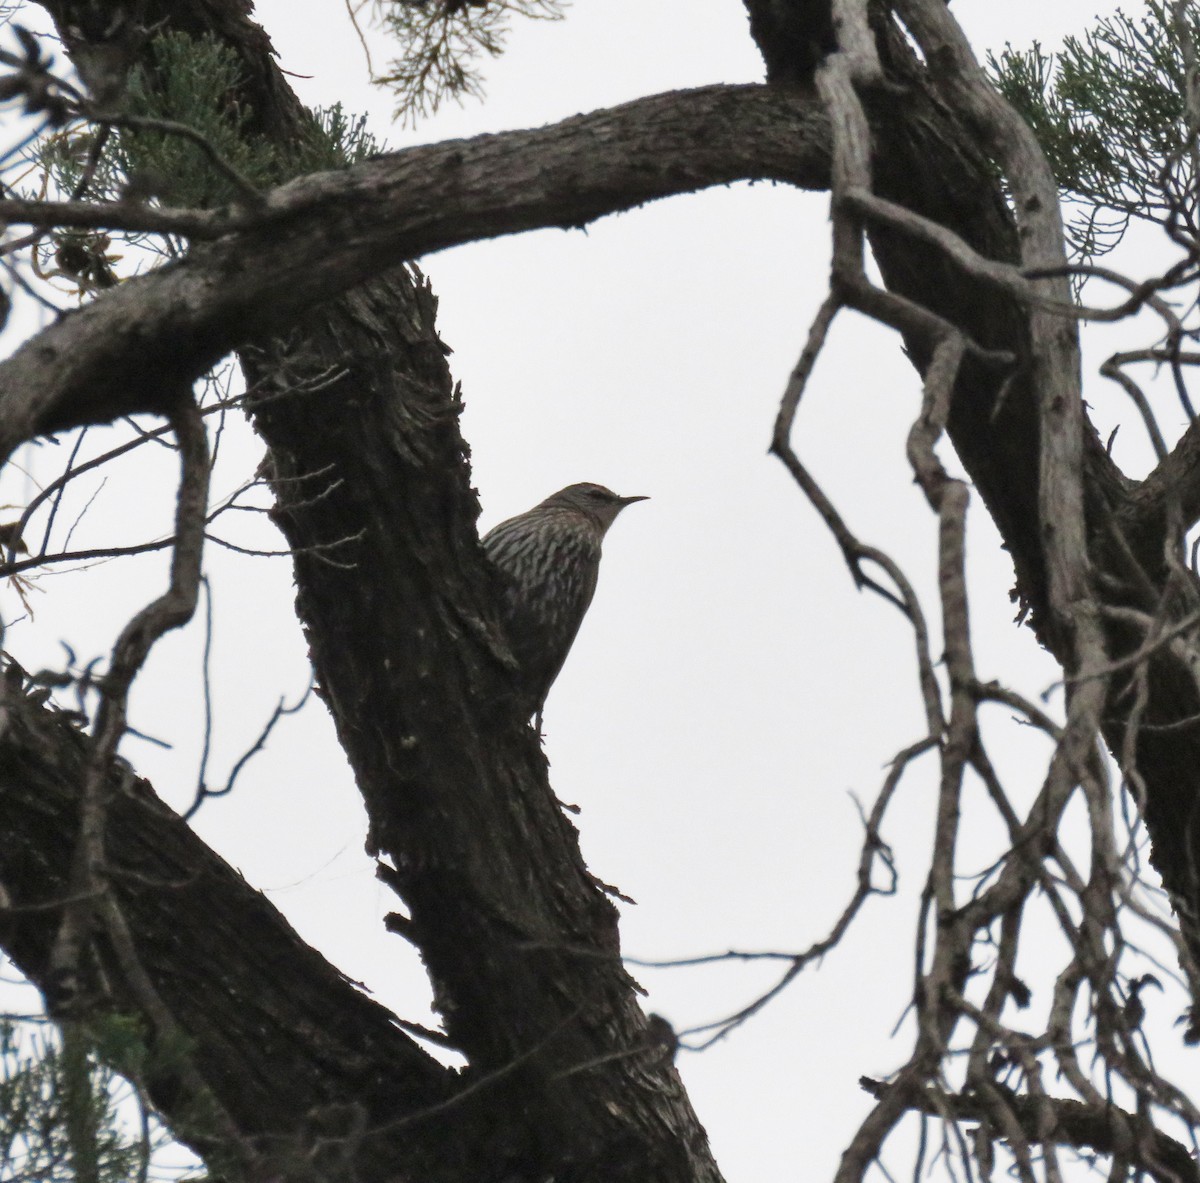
322,234
520,942
374,493
521,945
288,1043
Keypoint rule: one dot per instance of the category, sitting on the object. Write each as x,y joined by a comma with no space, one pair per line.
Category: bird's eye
595,494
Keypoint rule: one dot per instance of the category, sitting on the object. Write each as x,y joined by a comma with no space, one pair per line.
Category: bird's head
600,504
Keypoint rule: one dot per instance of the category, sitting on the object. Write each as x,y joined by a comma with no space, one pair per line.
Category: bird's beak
630,500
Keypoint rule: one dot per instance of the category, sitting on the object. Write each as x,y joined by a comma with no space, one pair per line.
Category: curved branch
323,234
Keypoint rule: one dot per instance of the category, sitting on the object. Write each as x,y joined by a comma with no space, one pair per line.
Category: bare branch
170,610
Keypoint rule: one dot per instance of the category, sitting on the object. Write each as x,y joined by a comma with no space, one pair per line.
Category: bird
548,559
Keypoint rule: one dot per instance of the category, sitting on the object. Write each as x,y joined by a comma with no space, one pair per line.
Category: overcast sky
730,690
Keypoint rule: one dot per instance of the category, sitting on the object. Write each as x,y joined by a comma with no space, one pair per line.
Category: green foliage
40,1116
338,141
443,43
196,82
1110,113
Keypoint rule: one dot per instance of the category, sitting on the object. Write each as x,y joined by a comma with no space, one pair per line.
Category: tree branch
323,234
1105,1129
278,1035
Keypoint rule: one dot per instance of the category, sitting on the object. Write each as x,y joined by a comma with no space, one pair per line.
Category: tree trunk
371,476
564,1078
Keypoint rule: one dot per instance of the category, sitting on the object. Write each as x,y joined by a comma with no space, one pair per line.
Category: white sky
729,689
